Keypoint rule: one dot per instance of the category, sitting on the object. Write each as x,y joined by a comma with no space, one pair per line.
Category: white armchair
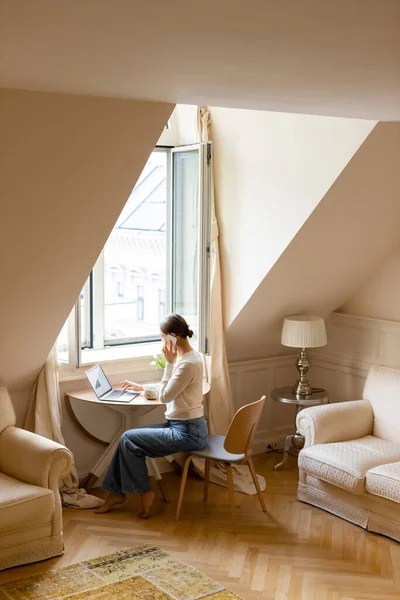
30,506
350,463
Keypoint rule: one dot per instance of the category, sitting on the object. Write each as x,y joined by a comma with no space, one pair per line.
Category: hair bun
176,325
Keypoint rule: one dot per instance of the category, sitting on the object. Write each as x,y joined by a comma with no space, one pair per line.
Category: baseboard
263,438
82,477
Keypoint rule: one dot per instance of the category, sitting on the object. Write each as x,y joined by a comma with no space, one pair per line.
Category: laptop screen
98,381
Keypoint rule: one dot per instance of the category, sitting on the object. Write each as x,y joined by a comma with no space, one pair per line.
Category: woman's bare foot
112,500
147,501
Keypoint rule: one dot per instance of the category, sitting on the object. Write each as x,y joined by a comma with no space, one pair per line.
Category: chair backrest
243,427
7,413
382,390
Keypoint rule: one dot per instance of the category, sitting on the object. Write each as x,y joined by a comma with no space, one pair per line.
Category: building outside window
140,303
161,304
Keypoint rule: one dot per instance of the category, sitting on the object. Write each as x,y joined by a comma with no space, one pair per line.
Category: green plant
159,361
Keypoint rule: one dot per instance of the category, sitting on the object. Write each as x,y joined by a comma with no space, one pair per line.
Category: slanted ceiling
348,234
338,57
379,295
68,165
271,171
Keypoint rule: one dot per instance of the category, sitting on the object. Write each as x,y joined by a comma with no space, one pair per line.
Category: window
161,304
140,303
155,260
85,314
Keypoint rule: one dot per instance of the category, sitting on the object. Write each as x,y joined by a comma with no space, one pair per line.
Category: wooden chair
234,448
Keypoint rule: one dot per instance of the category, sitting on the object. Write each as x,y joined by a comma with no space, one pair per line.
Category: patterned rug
142,573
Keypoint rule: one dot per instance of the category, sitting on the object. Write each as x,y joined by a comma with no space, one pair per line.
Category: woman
181,389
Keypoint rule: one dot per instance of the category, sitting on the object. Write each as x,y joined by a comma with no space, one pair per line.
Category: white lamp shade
303,331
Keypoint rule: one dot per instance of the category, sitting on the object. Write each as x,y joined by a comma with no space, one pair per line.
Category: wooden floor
294,552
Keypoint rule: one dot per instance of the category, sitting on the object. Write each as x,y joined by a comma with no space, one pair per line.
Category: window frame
204,216
100,342
80,355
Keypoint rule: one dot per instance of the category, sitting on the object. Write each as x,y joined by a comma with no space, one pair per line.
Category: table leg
154,470
104,459
298,438
288,445
295,439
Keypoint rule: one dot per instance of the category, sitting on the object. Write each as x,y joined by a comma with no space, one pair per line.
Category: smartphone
172,339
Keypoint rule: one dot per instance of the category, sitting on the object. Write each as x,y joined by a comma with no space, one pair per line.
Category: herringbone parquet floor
294,552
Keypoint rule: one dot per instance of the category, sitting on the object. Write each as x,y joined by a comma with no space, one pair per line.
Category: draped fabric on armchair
220,403
44,418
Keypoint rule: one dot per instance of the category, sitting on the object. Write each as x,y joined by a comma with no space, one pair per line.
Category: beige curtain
44,417
220,407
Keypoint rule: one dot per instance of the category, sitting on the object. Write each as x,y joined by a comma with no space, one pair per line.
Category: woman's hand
132,386
169,352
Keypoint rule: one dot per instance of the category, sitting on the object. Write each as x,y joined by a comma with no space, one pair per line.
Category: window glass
185,245
135,250
62,344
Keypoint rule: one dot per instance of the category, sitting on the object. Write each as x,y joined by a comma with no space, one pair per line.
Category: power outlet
271,446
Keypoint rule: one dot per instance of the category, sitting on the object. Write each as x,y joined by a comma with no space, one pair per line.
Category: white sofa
350,463
30,506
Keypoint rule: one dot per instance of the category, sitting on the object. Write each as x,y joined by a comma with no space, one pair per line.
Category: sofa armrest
335,422
33,459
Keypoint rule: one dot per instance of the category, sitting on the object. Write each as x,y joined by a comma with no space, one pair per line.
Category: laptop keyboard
115,394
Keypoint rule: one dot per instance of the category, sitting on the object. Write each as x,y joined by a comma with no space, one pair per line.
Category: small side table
286,396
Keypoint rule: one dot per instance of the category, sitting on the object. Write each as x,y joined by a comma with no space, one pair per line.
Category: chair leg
183,485
206,478
257,485
231,490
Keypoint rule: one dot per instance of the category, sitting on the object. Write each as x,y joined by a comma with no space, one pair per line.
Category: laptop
103,388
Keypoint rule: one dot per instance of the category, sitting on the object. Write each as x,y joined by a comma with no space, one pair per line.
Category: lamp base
302,386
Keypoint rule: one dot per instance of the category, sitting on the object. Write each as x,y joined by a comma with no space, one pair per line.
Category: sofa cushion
345,464
22,505
384,481
382,390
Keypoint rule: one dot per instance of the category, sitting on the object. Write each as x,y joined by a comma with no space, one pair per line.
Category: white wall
379,296
346,236
354,345
271,171
170,136
186,119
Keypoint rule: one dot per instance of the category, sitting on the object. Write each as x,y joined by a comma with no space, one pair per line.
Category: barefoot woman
181,389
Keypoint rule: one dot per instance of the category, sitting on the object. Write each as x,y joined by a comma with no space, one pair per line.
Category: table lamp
303,331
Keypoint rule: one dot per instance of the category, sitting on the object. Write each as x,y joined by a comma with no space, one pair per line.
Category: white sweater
181,388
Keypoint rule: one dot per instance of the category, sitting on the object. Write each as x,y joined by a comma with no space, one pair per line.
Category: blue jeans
127,472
